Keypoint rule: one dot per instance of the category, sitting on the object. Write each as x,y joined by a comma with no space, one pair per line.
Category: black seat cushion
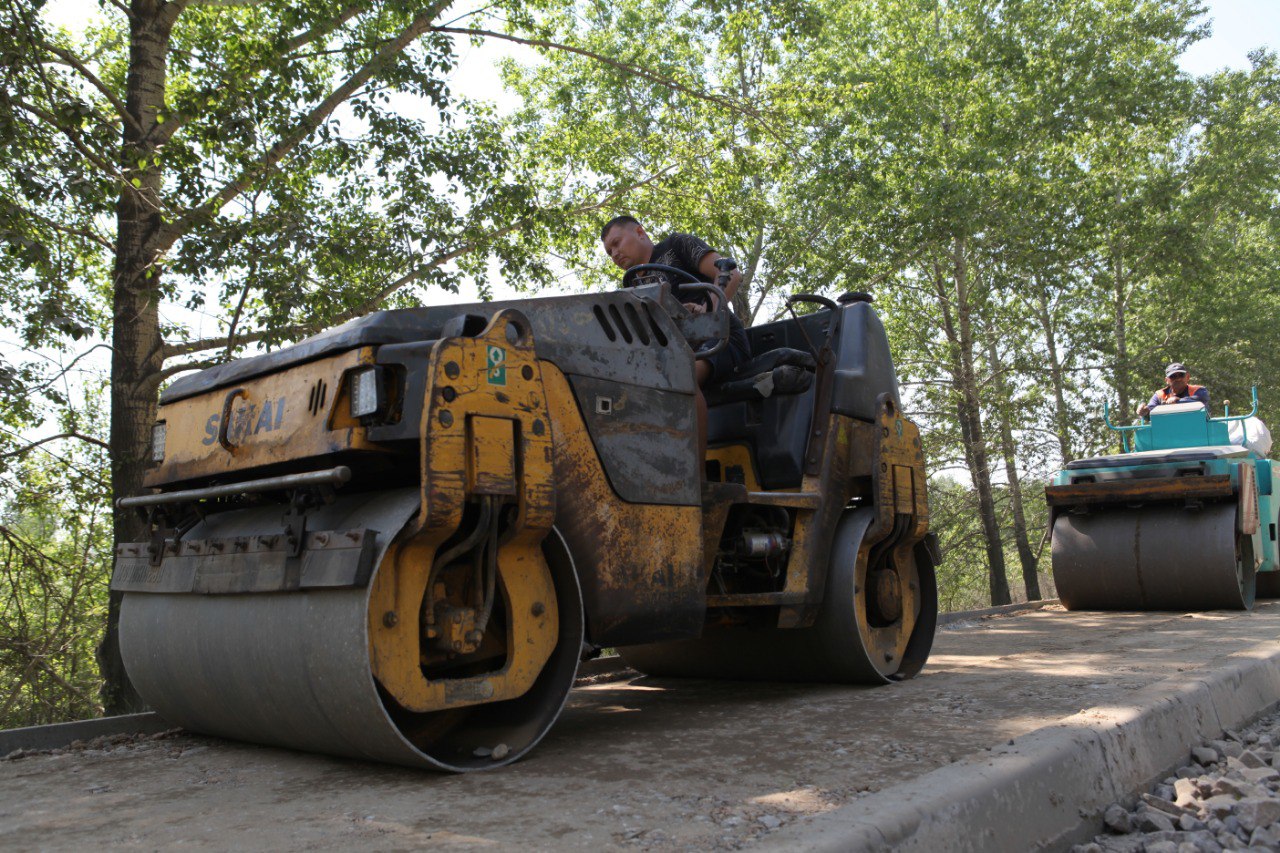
767,361
778,371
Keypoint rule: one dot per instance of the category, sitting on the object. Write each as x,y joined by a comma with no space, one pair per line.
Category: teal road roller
1184,519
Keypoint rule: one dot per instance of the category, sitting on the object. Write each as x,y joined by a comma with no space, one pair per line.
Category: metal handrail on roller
1227,417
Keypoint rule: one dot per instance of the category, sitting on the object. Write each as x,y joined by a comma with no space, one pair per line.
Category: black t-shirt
685,252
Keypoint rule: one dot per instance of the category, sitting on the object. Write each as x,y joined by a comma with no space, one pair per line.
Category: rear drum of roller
841,646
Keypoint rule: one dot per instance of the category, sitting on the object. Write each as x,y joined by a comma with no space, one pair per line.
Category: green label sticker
497,374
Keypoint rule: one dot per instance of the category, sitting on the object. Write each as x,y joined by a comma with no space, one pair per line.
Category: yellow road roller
397,539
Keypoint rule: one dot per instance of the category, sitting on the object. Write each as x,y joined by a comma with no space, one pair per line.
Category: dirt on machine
397,539
1184,519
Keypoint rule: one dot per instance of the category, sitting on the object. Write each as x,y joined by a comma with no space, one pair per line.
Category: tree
707,118
952,131
1215,308
291,165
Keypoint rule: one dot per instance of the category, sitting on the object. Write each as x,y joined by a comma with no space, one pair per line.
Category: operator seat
768,405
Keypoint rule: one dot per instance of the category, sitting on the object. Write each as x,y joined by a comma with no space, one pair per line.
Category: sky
1239,26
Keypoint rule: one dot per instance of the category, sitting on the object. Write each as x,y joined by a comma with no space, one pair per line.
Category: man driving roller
1178,390
628,244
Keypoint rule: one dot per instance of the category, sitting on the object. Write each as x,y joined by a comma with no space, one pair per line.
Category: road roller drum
395,540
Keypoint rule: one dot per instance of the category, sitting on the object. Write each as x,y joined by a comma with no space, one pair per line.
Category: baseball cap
1176,367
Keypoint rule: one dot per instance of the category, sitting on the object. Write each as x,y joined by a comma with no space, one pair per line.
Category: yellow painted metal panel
279,417
491,457
491,380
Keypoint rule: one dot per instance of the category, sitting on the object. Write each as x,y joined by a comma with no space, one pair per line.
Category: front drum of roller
1157,557
292,669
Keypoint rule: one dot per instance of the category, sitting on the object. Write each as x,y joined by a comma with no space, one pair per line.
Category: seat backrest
777,427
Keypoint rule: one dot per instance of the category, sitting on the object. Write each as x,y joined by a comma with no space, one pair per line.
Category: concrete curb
957,616
1048,789
59,735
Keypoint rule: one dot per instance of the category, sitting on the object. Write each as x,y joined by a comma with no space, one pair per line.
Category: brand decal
247,420
497,366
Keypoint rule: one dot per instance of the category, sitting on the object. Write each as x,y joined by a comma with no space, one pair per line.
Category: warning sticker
497,373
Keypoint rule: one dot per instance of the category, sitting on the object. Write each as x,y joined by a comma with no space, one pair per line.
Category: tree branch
371,304
66,229
128,13
162,133
719,100
174,369
63,371
75,140
74,62
301,41
419,25
33,445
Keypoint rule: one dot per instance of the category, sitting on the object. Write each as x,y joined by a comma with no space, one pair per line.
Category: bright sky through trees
1239,26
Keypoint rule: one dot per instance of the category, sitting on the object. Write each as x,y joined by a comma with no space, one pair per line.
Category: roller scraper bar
331,477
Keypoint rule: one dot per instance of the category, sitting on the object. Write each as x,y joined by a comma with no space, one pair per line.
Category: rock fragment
1149,820
1250,759
1117,819
1255,812
1204,755
1228,798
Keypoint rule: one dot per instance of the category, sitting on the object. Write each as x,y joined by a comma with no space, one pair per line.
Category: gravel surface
1227,797
667,765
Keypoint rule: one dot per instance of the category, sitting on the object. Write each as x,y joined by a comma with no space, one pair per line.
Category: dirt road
658,764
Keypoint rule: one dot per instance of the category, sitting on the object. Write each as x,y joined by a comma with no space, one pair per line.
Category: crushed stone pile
1226,798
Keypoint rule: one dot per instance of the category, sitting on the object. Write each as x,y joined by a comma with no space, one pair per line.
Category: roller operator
628,244
1176,390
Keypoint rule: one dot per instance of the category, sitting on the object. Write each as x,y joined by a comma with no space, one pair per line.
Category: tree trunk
1061,420
1008,449
742,299
958,326
1120,305
136,342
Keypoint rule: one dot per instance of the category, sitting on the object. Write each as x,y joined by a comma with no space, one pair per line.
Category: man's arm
1201,396
1145,410
707,266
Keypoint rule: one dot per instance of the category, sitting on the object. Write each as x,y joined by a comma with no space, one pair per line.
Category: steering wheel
689,282
629,277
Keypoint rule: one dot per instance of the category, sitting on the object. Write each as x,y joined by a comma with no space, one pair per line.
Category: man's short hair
624,219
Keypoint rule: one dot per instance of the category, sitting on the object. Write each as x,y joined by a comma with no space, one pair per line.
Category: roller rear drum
871,630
